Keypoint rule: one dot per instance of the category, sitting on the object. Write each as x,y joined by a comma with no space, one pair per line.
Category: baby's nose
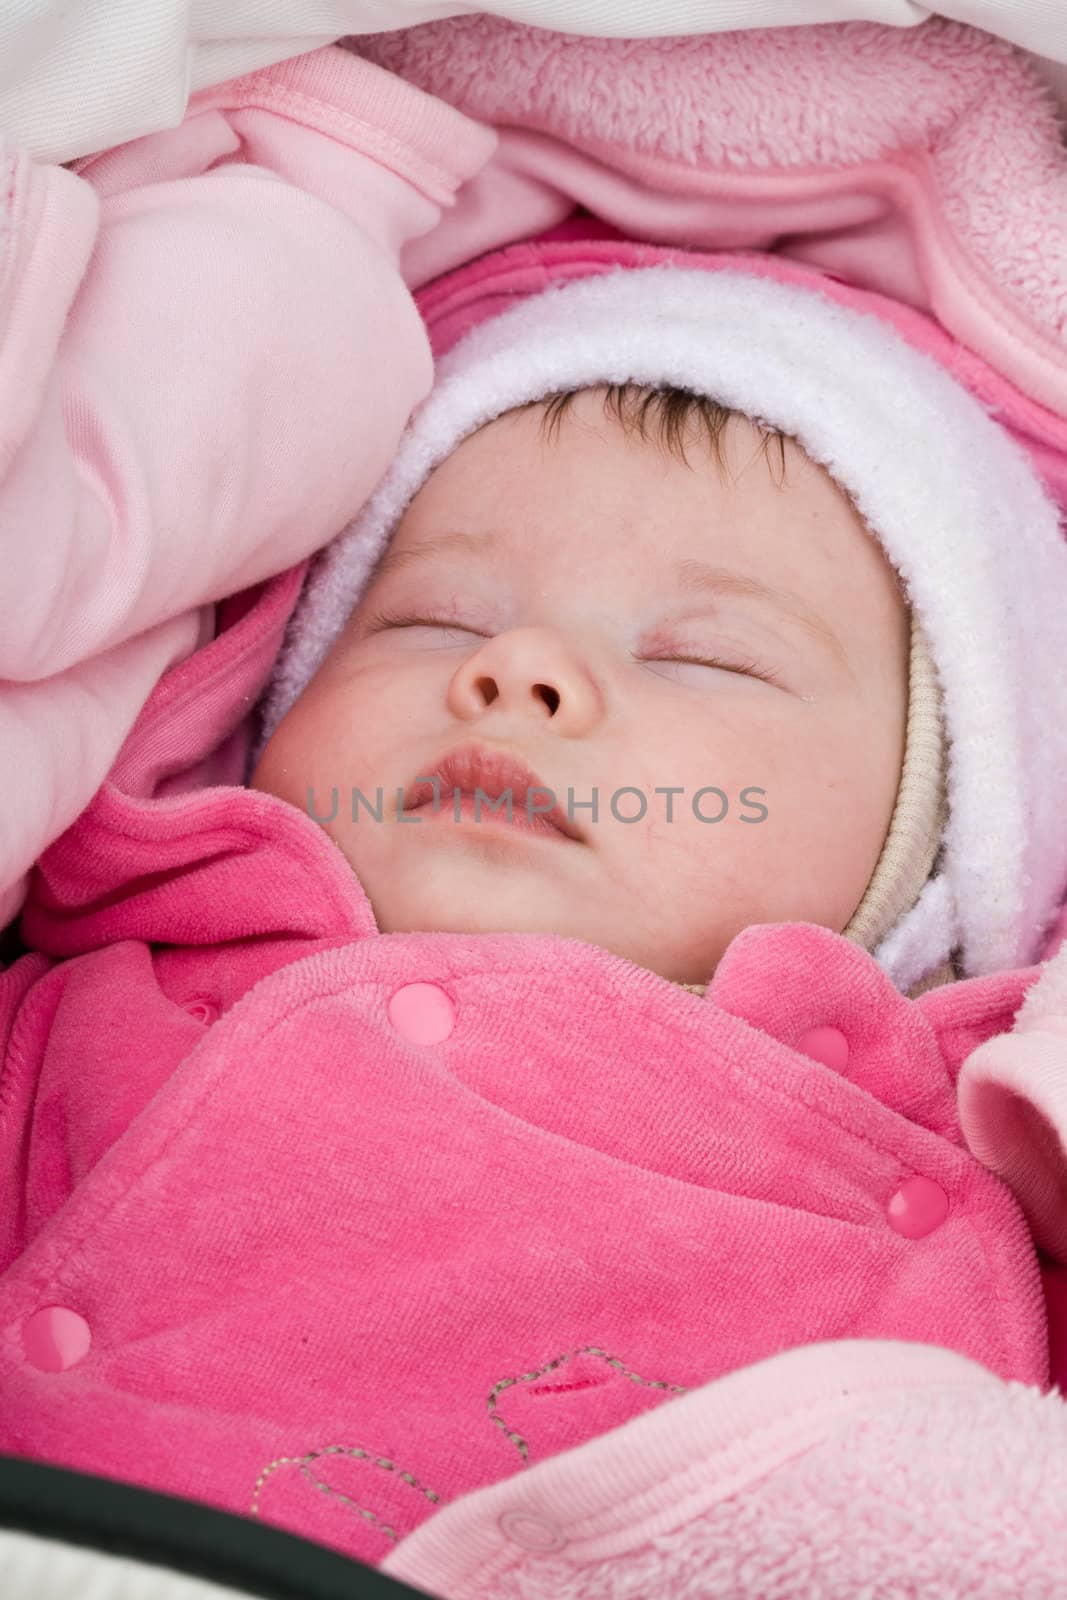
532,672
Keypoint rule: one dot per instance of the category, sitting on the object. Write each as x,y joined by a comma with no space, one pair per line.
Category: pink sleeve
207,350
21,1053
1013,1107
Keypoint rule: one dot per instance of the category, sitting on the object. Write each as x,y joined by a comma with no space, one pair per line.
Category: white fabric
46,1569
955,502
77,78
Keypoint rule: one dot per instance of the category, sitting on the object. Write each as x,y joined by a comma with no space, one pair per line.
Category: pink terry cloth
928,163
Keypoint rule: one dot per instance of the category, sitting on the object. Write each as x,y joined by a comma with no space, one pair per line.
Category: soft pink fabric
927,163
461,299
1013,1113
836,1470
324,1226
164,437
309,184
432,1260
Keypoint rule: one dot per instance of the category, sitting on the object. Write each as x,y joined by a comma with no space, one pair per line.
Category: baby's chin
442,893
426,914
490,884
460,913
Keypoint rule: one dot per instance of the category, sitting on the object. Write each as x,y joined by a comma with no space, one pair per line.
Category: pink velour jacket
496,1261
334,1227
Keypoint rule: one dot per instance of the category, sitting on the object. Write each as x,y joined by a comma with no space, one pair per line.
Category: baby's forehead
630,481
666,434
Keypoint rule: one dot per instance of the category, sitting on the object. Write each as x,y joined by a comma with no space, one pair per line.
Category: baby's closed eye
738,666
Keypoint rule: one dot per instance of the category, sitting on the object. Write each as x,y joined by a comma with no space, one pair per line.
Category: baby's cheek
861,792
795,847
301,762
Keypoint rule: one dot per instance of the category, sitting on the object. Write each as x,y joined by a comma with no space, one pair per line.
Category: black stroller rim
184,1536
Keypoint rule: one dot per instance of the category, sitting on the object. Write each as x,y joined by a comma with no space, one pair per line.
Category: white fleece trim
955,501
904,953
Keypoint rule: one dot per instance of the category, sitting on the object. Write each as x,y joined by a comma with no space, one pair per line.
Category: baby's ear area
1012,1095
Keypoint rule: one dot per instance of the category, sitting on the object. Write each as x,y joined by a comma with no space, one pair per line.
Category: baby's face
614,620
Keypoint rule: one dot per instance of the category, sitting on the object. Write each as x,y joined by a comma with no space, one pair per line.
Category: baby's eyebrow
691,576
469,543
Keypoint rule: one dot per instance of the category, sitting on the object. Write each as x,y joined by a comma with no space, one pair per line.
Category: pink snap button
201,1009
919,1206
55,1338
422,1012
533,1533
827,1045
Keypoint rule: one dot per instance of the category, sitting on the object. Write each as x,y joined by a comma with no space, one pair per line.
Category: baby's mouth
485,783
461,806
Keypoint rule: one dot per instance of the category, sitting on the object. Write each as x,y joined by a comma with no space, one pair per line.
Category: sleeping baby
588,665
582,619
552,1009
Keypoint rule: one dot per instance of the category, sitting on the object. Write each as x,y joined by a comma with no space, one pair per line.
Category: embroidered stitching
528,1377
336,1494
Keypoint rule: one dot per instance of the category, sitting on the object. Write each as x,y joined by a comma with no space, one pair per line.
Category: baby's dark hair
672,411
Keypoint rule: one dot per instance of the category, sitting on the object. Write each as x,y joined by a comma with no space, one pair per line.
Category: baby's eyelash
383,619
744,669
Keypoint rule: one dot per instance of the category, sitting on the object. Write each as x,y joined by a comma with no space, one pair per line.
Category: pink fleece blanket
927,163
887,1471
